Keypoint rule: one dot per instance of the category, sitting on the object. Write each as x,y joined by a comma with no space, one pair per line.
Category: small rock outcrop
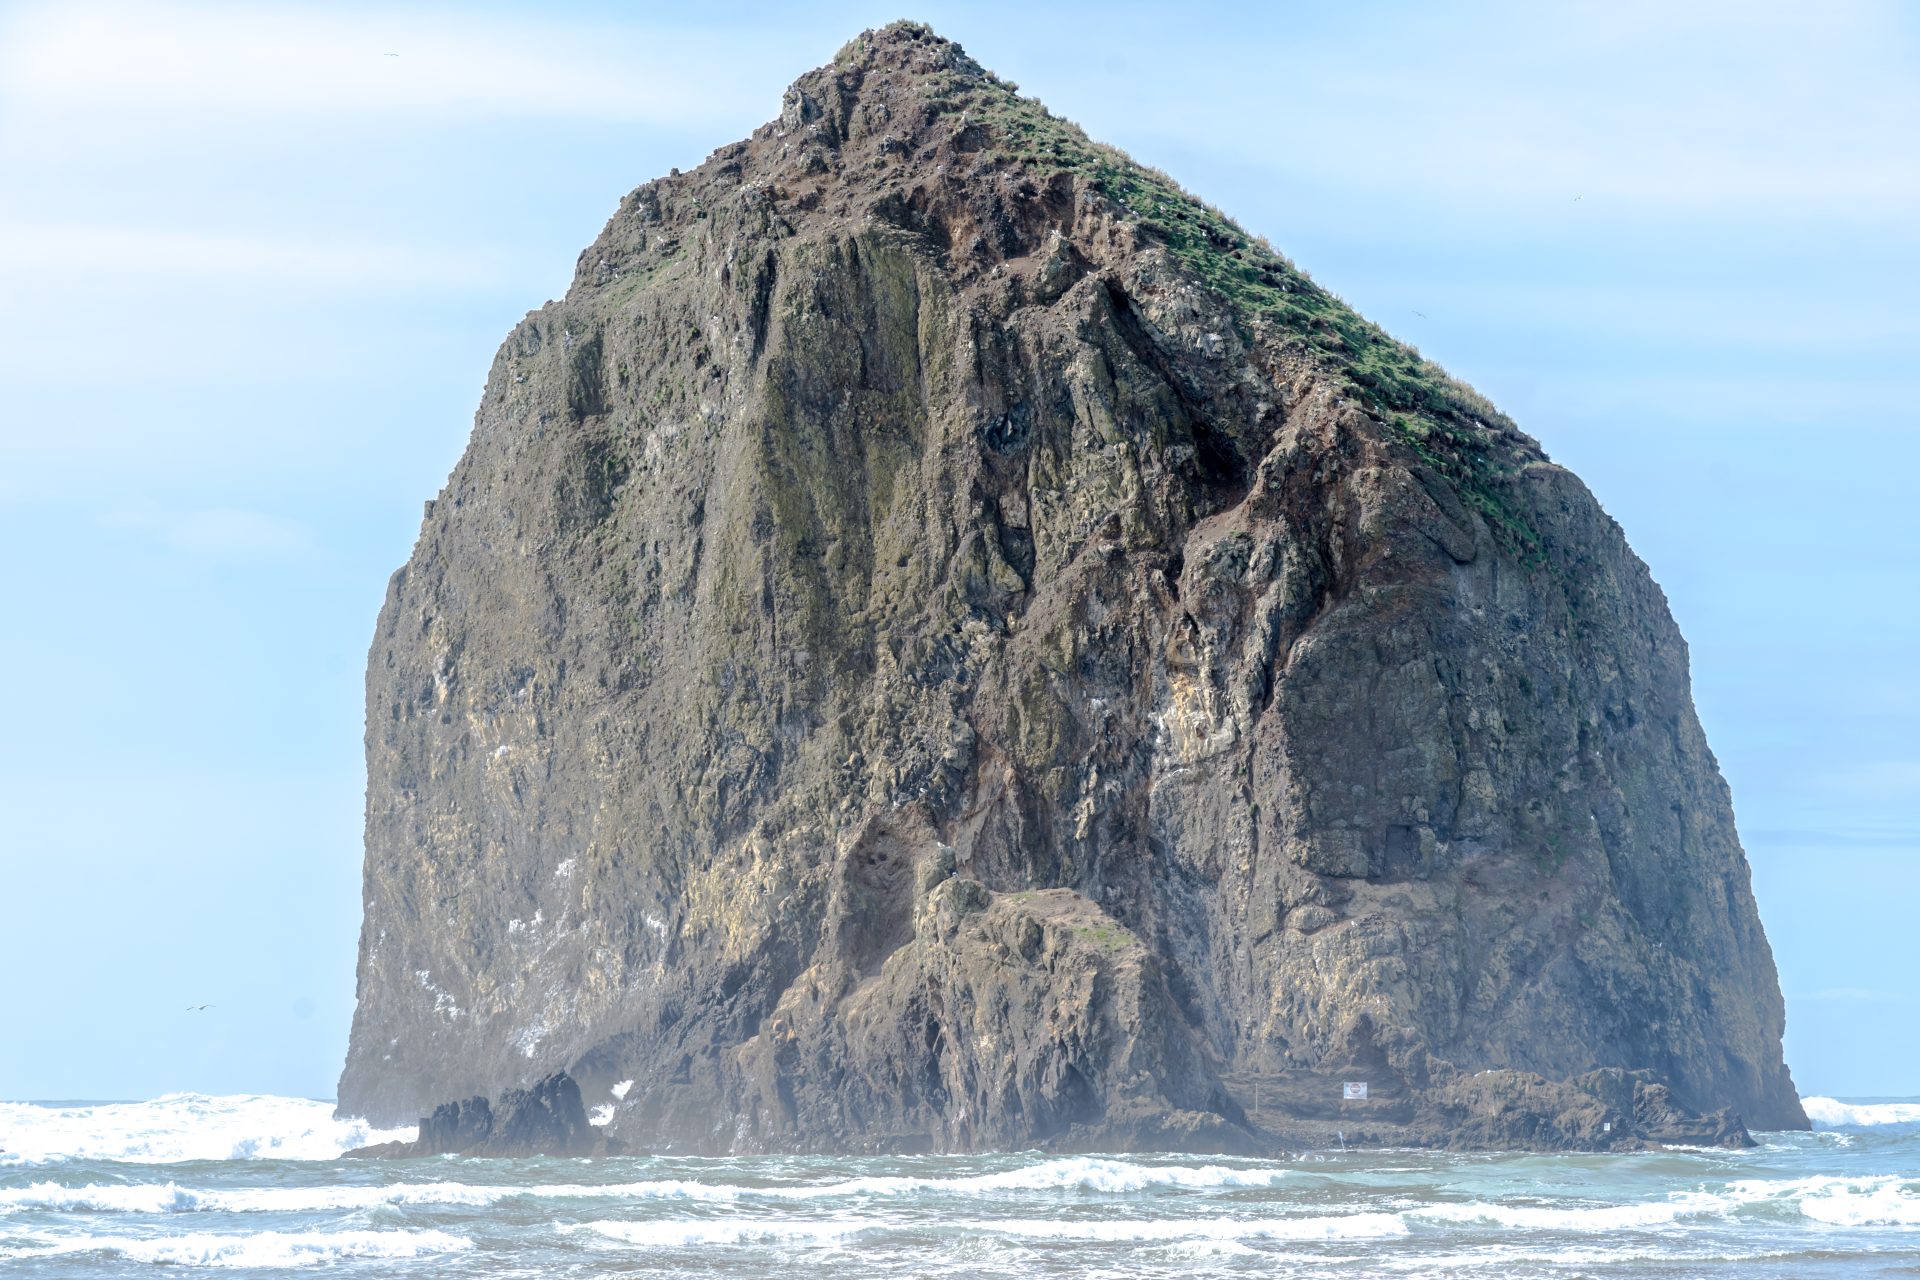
941,641
546,1119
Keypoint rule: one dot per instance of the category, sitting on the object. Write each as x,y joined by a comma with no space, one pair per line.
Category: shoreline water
248,1186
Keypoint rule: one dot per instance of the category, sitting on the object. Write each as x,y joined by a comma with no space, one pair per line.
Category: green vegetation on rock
1453,428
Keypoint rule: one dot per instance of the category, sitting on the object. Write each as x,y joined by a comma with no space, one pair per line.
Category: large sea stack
942,641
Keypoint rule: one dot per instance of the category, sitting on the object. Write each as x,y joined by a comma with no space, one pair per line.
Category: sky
253,268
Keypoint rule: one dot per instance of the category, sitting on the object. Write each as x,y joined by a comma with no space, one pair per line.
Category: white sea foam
183,1126
1831,1113
1612,1217
1212,1249
1077,1173
1872,1201
1860,1201
141,1198
1073,1174
256,1249
1889,1204
1505,1259
680,1233
1338,1226
172,1198
602,1115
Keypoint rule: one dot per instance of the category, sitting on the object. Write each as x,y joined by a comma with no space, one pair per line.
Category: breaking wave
1853,1202
1104,1176
1337,1226
1612,1217
1831,1113
192,1181
183,1126
173,1198
265,1249
1081,1173
1865,1201
680,1233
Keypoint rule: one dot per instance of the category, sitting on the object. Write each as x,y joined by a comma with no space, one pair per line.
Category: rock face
941,641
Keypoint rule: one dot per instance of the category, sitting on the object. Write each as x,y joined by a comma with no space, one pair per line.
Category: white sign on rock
1353,1089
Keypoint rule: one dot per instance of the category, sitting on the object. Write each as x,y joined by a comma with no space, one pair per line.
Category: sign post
1353,1091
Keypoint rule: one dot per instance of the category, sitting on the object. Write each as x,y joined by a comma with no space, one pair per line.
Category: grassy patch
1106,936
1452,427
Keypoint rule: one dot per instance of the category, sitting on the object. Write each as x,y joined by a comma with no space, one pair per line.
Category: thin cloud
1759,112
1851,995
1785,398
1831,837
1751,316
1879,779
220,533
308,60
64,252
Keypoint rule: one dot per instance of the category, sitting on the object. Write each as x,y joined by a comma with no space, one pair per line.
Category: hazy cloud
62,253
1828,837
1878,779
220,533
307,60
1759,111
1852,995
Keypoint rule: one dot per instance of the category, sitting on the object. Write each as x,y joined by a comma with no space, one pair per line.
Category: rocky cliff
942,641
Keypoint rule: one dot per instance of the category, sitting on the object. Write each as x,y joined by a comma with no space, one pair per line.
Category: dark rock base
1607,1110
545,1120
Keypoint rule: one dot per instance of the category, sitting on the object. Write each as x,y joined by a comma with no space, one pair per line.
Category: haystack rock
942,641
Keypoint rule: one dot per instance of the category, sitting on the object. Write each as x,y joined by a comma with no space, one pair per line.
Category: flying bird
1421,314
195,1008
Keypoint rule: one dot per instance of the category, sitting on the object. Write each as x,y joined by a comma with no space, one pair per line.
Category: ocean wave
267,1249
1078,1173
173,1198
1856,1201
681,1233
1104,1176
684,1232
183,1126
103,1198
1831,1113
1853,1202
1503,1259
1891,1204
1612,1217
1882,1200
1336,1226
1213,1249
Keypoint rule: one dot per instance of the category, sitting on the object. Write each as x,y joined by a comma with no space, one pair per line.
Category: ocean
239,1186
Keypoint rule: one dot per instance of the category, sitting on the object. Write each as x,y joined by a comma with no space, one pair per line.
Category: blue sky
253,270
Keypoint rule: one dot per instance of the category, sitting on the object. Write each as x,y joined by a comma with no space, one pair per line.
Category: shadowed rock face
939,641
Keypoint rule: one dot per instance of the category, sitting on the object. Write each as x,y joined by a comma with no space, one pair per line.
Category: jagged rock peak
904,129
